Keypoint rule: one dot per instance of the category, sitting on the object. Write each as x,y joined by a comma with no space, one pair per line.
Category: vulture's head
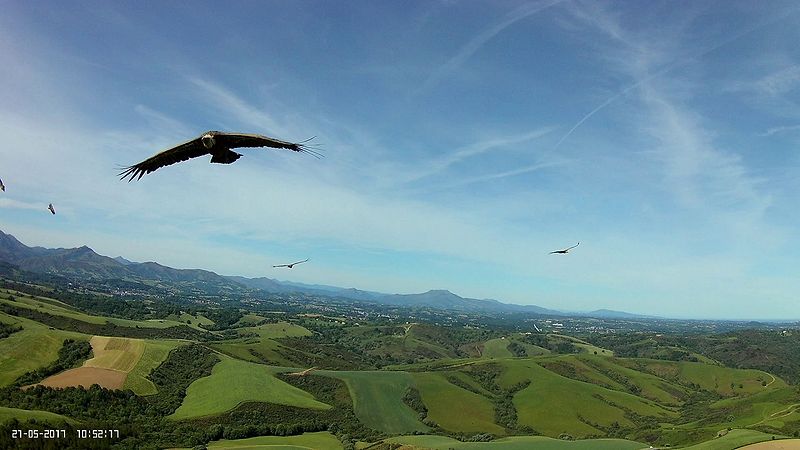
208,140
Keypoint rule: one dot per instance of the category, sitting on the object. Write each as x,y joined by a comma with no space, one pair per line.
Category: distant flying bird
52,210
2,186
214,143
302,373
566,250
292,264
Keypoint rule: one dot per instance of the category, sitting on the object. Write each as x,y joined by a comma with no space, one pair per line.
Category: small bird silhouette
52,210
291,265
2,186
566,250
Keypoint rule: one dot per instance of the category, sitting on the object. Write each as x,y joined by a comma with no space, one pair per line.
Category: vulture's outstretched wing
290,265
182,152
566,250
2,186
234,140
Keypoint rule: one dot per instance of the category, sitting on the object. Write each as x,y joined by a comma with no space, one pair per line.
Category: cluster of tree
639,345
132,308
223,318
504,410
7,329
517,349
105,305
184,365
452,338
413,399
71,354
330,347
773,351
555,345
620,378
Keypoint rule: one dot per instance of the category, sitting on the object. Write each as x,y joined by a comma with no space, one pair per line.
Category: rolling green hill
377,399
233,382
474,414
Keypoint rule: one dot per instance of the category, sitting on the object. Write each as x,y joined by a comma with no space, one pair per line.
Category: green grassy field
23,415
475,413
233,382
33,347
190,320
317,441
733,439
155,352
250,319
277,330
496,348
517,443
378,399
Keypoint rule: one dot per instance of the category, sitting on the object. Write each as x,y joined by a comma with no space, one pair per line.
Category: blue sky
463,141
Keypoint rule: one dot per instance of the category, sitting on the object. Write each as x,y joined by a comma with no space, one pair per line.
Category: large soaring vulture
214,143
292,264
566,250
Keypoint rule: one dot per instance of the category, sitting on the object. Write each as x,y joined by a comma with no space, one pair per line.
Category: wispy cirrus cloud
782,129
500,144
467,50
779,82
16,204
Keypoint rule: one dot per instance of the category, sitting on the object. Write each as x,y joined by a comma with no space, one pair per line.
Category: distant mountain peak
123,261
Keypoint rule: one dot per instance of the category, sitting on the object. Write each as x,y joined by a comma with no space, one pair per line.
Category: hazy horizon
462,143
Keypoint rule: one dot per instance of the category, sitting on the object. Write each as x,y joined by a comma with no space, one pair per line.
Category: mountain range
83,263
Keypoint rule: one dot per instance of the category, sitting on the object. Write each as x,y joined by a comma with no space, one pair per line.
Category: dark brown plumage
566,250
215,143
292,264
52,210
